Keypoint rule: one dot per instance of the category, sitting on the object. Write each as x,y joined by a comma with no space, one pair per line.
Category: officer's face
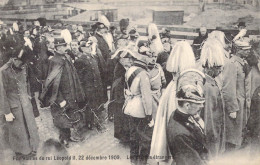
61,49
243,53
126,62
152,58
74,46
214,71
203,31
18,63
86,49
26,34
193,108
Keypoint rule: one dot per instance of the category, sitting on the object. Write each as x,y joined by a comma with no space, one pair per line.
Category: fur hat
123,23
241,24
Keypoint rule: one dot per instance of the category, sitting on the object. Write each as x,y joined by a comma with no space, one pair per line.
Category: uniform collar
210,80
238,59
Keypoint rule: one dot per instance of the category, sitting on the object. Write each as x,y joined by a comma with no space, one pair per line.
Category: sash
132,77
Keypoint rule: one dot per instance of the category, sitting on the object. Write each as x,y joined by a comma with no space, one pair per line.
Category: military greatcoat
15,98
236,93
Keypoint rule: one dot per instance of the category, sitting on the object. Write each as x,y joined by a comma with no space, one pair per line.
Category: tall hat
181,58
42,21
212,53
190,86
59,41
241,24
123,23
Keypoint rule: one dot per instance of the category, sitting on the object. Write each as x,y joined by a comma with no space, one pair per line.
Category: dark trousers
121,122
64,133
139,150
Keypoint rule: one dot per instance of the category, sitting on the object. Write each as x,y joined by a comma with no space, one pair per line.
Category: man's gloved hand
148,118
233,115
63,103
9,117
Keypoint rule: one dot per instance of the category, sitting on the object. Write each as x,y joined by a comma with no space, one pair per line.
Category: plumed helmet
181,58
219,35
212,53
190,86
154,37
66,35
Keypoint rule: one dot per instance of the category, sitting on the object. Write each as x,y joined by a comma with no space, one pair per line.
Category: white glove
63,103
151,123
233,115
9,117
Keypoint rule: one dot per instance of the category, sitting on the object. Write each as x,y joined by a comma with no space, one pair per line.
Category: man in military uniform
62,91
185,130
16,106
138,106
87,66
105,51
236,93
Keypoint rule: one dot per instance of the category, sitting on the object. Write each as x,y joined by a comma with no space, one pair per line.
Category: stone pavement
96,145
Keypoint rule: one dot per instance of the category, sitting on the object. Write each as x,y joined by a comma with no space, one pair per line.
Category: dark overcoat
106,74
15,98
121,121
236,94
41,50
252,137
62,84
214,117
87,67
186,141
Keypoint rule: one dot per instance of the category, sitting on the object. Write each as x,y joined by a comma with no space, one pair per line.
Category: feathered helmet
181,58
190,86
212,53
66,35
154,37
219,35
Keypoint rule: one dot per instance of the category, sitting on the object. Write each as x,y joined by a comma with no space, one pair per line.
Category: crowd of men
191,103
